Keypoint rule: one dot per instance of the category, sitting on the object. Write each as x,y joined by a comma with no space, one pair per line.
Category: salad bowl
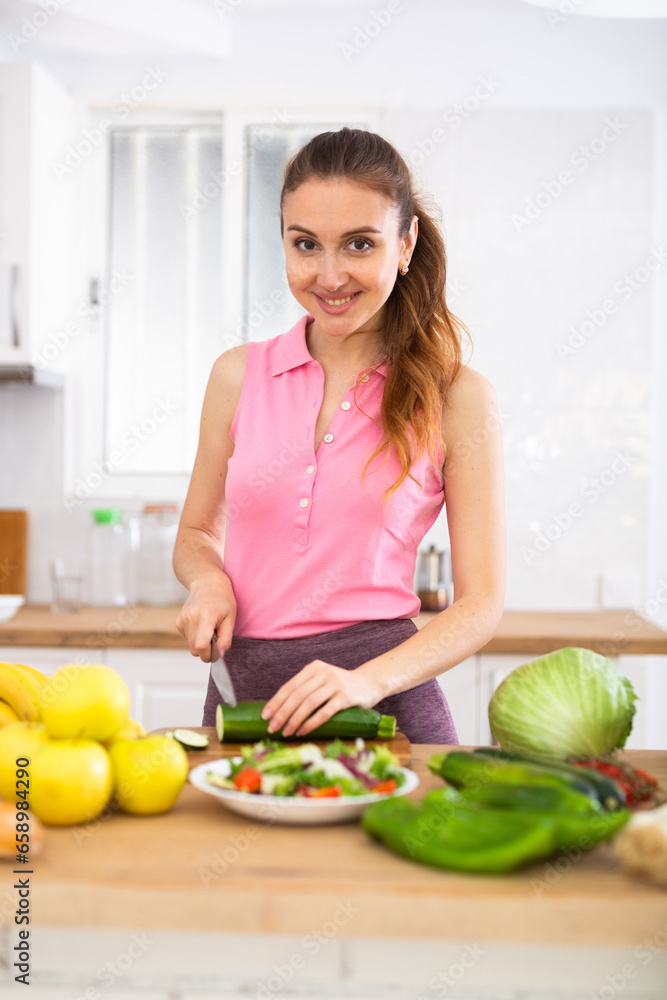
286,809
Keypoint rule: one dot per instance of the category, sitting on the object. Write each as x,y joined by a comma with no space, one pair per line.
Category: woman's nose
331,274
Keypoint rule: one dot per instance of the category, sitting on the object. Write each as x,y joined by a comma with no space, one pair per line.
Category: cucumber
470,770
190,740
243,723
607,791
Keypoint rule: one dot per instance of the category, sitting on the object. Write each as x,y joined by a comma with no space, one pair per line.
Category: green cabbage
569,703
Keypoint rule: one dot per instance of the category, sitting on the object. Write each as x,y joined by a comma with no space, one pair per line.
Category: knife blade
220,674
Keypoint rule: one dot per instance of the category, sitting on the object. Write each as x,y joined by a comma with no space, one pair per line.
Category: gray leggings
258,667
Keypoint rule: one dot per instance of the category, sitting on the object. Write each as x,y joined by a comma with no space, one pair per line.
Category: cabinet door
15,144
493,669
461,688
167,687
37,124
49,658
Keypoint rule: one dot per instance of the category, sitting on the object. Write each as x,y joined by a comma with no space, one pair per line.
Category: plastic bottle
108,568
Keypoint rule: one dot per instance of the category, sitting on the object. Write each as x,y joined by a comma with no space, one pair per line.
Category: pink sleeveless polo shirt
309,547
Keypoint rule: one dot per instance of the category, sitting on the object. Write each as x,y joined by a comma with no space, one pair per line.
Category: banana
7,714
42,678
20,689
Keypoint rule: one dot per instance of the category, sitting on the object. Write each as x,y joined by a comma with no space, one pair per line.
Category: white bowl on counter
9,605
291,809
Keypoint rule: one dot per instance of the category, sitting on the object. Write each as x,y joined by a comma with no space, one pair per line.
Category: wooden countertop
202,867
523,632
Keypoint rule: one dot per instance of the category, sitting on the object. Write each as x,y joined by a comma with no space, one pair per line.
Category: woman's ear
410,239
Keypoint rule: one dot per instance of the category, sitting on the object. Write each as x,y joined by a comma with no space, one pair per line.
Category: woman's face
343,253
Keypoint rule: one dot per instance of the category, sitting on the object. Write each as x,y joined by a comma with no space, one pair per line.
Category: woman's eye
300,244
360,239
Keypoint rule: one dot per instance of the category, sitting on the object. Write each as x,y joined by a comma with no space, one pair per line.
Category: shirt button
304,502
364,378
328,438
345,405
311,468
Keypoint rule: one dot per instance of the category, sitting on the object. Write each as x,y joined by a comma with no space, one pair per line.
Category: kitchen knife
220,674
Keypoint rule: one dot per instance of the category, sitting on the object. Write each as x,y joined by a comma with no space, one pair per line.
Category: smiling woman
324,458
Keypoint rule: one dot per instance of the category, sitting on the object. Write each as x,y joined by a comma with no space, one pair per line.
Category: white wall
553,88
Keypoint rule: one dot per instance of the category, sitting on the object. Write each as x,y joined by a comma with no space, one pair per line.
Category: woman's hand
211,607
321,688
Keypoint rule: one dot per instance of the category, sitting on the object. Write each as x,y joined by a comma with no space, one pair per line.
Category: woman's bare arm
198,551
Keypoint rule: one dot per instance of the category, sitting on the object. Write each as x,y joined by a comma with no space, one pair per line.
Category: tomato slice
248,780
385,786
332,792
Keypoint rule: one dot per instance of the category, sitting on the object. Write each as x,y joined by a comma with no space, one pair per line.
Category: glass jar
155,581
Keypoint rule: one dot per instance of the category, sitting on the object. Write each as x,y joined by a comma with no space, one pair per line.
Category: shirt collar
292,350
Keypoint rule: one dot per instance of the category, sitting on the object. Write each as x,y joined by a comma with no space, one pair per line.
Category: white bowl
9,605
291,809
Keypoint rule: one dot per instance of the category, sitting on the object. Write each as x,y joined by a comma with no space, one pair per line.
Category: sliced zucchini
243,723
190,739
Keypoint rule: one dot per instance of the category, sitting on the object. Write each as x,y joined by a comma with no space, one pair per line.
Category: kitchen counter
202,868
531,632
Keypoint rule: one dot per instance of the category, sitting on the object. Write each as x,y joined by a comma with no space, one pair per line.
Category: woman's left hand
319,688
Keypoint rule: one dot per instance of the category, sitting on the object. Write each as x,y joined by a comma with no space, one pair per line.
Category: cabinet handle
13,314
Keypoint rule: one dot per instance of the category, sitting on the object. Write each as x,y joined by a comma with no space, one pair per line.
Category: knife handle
215,652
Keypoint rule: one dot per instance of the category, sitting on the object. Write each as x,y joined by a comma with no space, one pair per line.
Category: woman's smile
336,304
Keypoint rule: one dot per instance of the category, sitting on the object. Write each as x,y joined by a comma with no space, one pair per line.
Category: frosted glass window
270,308
165,313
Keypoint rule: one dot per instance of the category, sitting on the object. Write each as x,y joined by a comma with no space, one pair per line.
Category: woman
325,455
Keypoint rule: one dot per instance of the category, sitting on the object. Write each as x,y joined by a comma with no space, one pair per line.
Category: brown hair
422,339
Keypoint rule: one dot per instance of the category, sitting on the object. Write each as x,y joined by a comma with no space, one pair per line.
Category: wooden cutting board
13,551
398,744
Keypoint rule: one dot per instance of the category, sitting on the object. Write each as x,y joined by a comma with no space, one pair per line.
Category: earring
404,269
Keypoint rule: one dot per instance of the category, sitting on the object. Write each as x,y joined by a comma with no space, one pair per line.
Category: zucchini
190,739
243,723
607,791
470,770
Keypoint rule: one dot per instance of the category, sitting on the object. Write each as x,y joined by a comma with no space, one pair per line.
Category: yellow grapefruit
91,702
148,773
70,781
130,730
18,741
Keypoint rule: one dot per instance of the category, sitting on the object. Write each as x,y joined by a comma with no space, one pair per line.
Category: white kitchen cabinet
461,689
48,659
37,122
167,686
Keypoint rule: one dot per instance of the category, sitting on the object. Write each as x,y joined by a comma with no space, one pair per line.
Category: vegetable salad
272,768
